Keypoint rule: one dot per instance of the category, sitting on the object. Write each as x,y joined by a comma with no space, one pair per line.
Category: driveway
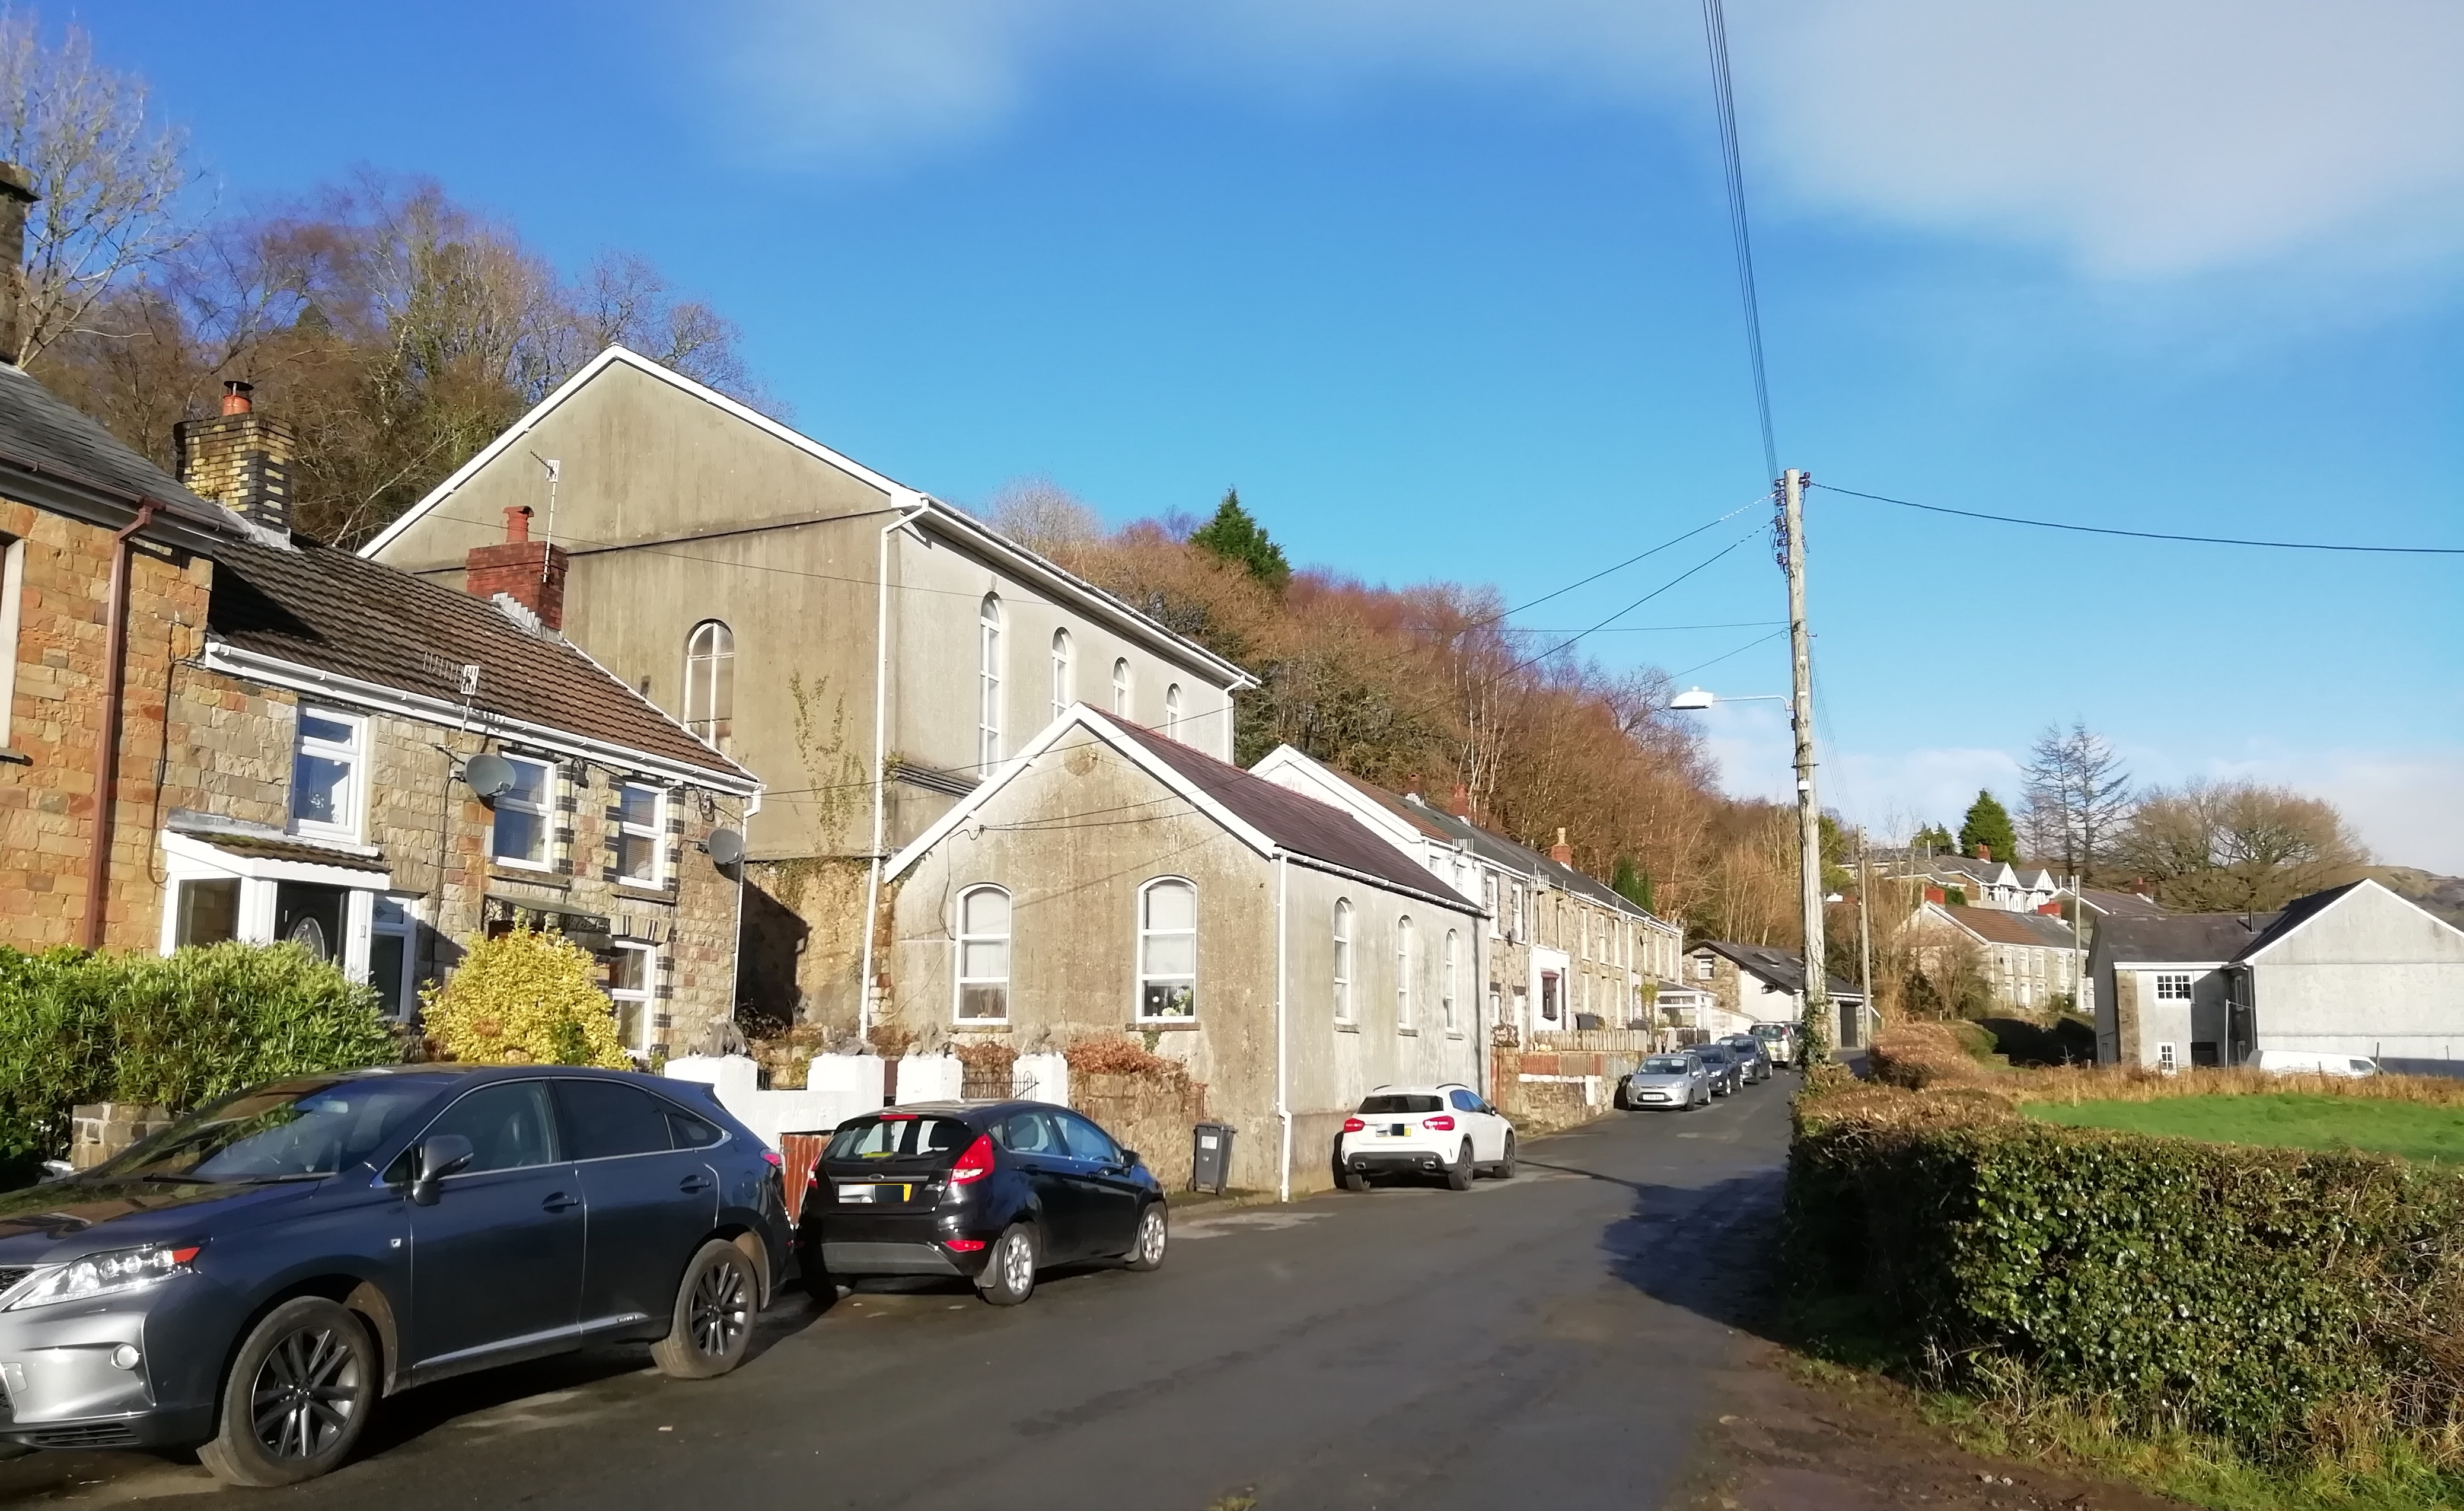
1552,1340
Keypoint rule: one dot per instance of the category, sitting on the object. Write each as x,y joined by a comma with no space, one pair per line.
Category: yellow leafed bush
525,998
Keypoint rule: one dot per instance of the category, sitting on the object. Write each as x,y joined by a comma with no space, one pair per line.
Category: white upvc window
988,686
393,927
710,683
1446,982
1343,960
1488,900
1167,950
1703,969
328,773
12,595
983,956
1121,687
525,816
1063,686
641,837
2173,987
632,992
1172,711
1404,972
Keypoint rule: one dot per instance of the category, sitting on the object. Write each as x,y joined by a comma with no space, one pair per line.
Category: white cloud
2137,137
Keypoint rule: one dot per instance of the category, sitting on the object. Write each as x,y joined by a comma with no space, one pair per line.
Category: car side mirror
1130,1159
435,1159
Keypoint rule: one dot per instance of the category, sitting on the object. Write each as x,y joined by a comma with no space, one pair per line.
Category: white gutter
1282,974
880,760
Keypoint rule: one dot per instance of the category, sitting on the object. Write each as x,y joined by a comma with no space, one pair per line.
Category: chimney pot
236,396
518,523
1984,852
239,458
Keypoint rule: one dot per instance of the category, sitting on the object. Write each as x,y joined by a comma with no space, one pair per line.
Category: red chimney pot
518,523
236,396
1984,852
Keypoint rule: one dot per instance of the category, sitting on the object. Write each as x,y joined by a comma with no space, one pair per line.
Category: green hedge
2295,1304
82,1026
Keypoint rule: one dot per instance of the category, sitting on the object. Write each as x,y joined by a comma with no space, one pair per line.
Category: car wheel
1506,1166
296,1398
1009,1269
1458,1173
713,1323
1146,1250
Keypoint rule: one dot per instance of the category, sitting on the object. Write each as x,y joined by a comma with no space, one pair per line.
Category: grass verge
2287,1119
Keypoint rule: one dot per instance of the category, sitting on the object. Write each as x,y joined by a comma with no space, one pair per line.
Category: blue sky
1444,287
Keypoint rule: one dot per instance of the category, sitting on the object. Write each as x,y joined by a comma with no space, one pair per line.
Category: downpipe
106,744
1282,1060
880,756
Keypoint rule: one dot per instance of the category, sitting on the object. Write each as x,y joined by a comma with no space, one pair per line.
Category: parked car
1666,1081
1780,1041
990,1192
1751,1061
1444,1130
244,1281
1727,1077
2304,1063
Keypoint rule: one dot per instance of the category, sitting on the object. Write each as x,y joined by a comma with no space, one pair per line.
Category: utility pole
1864,944
1820,1032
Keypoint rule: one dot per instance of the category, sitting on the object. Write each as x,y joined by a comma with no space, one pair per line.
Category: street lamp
1694,700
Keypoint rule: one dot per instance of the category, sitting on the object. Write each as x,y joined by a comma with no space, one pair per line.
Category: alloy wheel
305,1393
1018,1264
1151,1237
722,1310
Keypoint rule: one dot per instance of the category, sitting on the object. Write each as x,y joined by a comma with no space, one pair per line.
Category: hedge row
174,1031
2295,1304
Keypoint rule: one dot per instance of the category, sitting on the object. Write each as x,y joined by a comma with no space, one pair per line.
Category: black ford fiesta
988,1192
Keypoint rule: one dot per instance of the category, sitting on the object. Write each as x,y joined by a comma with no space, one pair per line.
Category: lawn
2412,1129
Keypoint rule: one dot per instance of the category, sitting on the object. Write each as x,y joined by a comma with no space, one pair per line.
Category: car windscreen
287,1131
1713,1054
1664,1066
899,1136
1392,1103
1769,1031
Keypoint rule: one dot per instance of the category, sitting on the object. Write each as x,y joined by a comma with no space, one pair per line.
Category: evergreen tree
1988,823
1633,883
1934,838
1237,538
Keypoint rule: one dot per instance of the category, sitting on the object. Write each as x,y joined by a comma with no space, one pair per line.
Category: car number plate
873,1192
1398,1130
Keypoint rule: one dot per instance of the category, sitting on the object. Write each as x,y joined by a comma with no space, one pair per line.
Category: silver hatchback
1678,1082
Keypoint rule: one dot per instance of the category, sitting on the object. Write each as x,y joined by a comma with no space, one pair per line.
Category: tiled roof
325,608
40,432
1998,925
1300,824
1784,968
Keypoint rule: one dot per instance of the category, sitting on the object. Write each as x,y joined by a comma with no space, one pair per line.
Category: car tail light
1438,1125
975,1162
774,1159
962,1245
1355,1126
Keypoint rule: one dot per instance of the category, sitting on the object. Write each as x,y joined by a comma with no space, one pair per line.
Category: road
1552,1340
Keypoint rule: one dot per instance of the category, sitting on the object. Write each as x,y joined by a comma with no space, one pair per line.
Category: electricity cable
2147,534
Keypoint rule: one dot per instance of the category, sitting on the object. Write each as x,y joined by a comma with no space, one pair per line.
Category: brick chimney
240,459
529,572
16,193
1561,852
1984,851
1460,805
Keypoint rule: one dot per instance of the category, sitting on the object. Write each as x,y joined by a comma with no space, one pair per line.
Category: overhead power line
2149,534
1715,34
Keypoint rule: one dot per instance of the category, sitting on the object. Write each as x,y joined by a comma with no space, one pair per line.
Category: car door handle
694,1185
559,1201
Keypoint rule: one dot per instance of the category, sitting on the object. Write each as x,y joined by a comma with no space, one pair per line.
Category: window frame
1344,915
1065,672
545,812
1141,975
656,831
13,600
2189,986
1172,711
647,996
352,754
989,624
711,724
1124,686
2167,1060
1447,981
407,929
1405,939
960,980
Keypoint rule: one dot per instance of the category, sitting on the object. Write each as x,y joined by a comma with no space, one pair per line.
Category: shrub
525,998
85,1026
2300,1306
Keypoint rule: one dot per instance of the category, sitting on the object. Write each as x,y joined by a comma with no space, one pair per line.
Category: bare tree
2077,796
108,176
1042,515
2231,846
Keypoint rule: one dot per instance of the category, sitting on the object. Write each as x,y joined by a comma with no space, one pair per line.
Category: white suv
1444,1130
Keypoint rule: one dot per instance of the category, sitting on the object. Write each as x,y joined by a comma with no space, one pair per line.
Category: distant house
2031,959
1980,881
2356,970
1749,984
2102,903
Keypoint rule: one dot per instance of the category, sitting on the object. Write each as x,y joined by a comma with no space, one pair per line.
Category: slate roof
1303,825
325,608
2297,912
1998,925
1784,968
40,432
1522,857
2122,905
2179,936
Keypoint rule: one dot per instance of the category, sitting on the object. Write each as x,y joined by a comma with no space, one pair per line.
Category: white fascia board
2170,965
899,494
373,696
962,528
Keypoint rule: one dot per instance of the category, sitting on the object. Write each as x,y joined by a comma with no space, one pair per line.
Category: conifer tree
1988,823
1238,538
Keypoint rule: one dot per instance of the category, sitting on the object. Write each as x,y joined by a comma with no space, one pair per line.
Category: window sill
1165,1025
1406,1031
980,1026
14,757
498,871
644,892
1346,1028
1454,1033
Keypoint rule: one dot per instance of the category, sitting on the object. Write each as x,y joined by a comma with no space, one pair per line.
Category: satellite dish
489,774
725,847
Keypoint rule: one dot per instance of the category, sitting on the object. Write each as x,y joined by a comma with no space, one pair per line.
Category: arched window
1121,687
1167,950
1404,972
710,682
988,683
983,956
1446,982
1342,960
1172,711
1062,692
